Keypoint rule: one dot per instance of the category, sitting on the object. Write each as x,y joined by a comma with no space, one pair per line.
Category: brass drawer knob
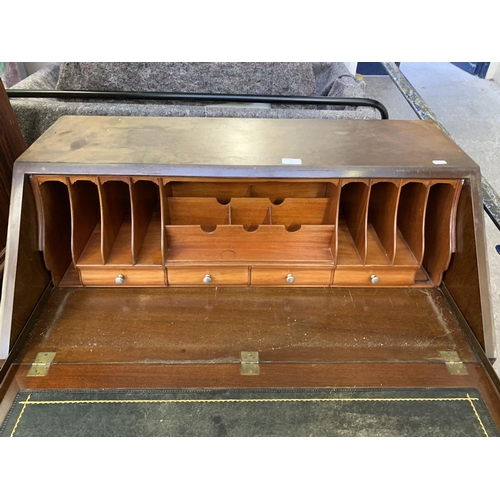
375,280
207,279
120,279
290,278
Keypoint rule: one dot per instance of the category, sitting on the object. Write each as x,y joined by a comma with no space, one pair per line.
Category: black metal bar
491,200
180,96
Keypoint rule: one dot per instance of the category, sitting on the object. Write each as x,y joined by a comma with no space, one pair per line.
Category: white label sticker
291,161
439,162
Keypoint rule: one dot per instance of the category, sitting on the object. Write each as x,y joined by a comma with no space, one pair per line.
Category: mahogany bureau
159,252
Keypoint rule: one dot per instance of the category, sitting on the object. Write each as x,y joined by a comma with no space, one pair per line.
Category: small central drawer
207,276
122,276
289,276
373,276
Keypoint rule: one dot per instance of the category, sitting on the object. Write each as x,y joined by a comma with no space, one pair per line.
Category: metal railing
199,97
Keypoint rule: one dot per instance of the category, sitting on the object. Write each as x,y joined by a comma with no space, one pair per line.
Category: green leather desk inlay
250,412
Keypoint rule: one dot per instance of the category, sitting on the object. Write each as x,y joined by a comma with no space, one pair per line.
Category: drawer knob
120,279
290,278
375,280
207,279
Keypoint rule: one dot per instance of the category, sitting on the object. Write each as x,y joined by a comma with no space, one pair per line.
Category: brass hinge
249,363
41,365
453,363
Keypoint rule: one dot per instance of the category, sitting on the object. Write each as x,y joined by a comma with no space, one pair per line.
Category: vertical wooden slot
56,228
439,229
85,221
165,219
116,228
353,213
332,214
146,223
381,227
411,216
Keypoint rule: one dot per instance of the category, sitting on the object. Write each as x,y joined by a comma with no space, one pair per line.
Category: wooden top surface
223,142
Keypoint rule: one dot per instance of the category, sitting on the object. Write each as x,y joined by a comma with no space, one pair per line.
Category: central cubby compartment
148,231
250,222
249,230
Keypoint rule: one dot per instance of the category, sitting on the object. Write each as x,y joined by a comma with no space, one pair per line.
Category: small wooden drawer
289,276
122,276
208,276
374,276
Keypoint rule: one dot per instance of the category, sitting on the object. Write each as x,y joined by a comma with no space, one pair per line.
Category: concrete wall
494,72
351,66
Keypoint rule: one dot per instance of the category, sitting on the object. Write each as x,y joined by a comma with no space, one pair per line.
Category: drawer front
374,276
122,276
290,276
207,276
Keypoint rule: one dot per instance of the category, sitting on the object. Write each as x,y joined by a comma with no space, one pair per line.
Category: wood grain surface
231,142
12,145
214,324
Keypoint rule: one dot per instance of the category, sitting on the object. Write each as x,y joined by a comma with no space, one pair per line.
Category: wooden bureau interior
345,253
143,231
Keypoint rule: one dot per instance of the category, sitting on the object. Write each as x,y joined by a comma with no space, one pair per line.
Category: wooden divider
223,191
56,228
299,211
115,221
279,191
143,200
275,191
165,194
206,212
85,215
439,228
264,243
251,212
382,213
331,214
411,215
353,213
146,222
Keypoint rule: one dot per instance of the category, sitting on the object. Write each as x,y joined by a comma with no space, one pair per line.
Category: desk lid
253,146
